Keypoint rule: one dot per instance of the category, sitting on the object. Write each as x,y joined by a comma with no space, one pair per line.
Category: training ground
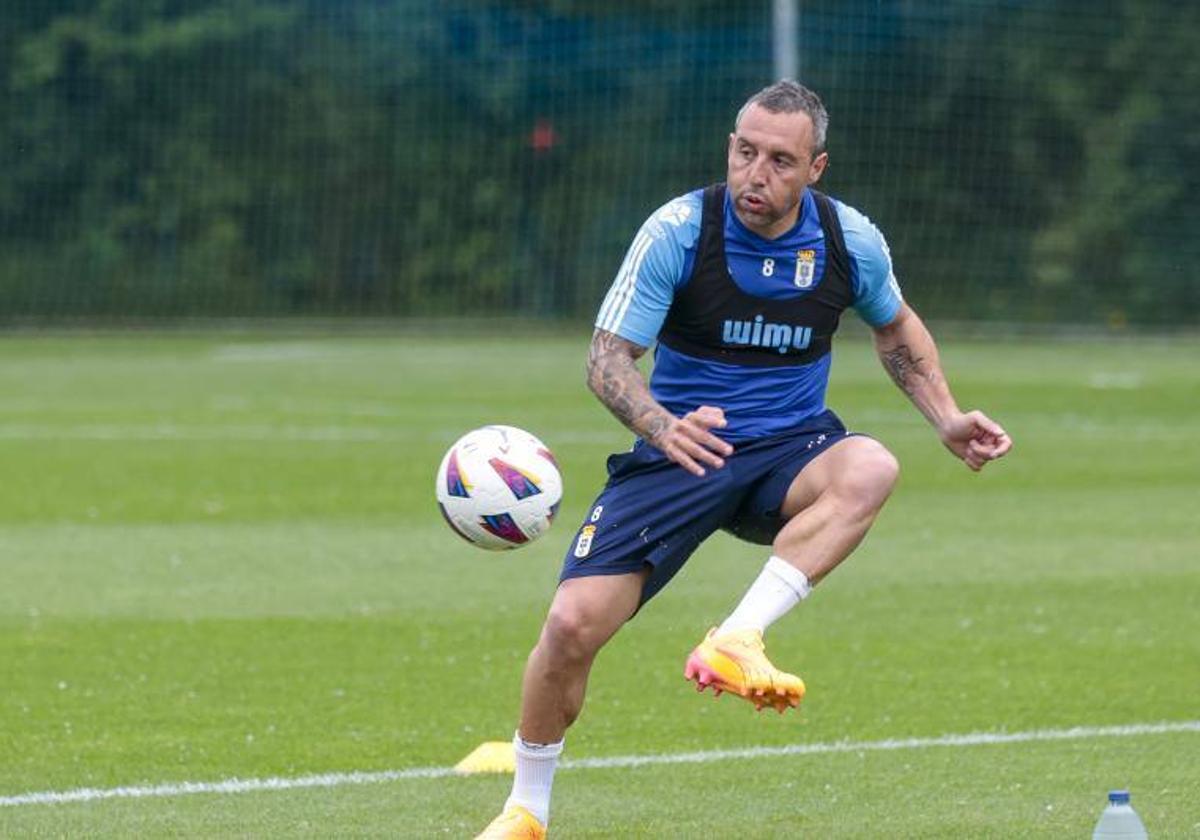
229,607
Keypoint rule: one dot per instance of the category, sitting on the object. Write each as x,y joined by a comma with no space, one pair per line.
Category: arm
613,377
910,357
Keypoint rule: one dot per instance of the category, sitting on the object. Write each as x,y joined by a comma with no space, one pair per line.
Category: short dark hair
790,97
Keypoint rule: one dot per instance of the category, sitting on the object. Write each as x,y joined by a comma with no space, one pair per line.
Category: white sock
778,588
534,776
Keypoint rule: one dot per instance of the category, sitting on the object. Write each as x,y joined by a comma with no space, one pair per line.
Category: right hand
688,442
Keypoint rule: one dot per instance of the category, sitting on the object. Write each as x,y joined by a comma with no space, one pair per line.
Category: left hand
975,438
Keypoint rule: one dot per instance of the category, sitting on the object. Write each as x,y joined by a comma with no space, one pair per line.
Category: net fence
1028,161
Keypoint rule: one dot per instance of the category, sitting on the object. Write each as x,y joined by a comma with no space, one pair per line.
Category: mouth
753,203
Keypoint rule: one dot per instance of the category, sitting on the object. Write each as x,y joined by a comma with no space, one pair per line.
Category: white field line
327,780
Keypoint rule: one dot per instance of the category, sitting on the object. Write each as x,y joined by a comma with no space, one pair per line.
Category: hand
975,438
688,442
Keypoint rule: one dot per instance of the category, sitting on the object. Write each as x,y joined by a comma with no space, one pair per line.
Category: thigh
859,467
765,508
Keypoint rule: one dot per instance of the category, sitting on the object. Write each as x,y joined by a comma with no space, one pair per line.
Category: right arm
613,376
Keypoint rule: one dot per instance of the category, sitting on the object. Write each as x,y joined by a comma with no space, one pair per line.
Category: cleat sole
697,670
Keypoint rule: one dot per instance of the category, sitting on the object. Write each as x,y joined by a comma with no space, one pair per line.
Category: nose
758,171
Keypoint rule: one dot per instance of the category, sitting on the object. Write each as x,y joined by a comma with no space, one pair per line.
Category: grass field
220,558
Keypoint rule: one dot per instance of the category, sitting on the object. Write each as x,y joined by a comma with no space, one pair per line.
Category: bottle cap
1118,797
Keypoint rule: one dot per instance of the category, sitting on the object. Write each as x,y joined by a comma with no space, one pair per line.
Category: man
742,285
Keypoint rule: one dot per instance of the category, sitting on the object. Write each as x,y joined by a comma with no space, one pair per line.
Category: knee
568,635
871,478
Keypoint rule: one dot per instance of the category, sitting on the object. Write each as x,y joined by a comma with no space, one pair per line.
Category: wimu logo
759,333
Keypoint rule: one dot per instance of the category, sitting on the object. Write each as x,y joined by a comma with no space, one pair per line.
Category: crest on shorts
583,545
806,268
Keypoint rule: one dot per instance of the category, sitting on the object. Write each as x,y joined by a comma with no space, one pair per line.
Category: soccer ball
499,487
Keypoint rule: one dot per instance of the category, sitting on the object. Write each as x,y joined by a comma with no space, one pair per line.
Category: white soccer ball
499,487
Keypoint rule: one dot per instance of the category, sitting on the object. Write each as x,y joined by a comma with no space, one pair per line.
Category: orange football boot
515,823
737,662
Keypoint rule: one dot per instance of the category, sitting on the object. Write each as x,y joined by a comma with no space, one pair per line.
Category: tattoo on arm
903,368
909,355
614,378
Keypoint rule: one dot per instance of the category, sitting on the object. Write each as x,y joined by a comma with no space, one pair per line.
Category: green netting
1029,161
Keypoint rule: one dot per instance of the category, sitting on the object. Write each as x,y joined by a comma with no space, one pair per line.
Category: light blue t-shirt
757,401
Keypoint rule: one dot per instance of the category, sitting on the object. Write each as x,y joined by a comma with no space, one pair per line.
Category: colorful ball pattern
499,487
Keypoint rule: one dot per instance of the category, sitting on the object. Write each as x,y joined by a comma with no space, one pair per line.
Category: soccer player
741,285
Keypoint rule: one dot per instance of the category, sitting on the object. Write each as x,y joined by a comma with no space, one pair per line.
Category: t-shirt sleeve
877,296
640,296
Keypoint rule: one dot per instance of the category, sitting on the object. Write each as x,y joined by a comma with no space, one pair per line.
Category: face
771,162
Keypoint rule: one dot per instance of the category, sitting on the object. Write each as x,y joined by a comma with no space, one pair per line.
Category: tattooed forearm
910,357
904,369
615,379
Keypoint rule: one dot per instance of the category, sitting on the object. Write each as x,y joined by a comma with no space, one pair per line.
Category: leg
832,502
586,613
662,513
827,508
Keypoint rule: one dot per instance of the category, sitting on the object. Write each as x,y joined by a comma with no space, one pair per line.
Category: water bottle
1119,821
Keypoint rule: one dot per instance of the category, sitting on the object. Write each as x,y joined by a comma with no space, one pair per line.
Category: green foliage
1114,196
406,157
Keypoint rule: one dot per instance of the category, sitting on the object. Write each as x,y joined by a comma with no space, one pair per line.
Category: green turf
220,557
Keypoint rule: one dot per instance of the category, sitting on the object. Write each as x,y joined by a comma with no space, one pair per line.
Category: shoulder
666,242
864,240
654,267
877,292
676,223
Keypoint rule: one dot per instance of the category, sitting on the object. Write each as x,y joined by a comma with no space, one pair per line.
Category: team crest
806,268
583,545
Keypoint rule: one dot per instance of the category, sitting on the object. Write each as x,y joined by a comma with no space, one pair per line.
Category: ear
817,168
729,148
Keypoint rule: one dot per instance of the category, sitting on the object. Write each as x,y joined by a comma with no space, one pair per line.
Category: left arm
910,356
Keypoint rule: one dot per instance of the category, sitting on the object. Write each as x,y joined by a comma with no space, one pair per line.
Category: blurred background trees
1028,161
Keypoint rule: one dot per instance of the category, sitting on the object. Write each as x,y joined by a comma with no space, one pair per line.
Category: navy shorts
654,512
